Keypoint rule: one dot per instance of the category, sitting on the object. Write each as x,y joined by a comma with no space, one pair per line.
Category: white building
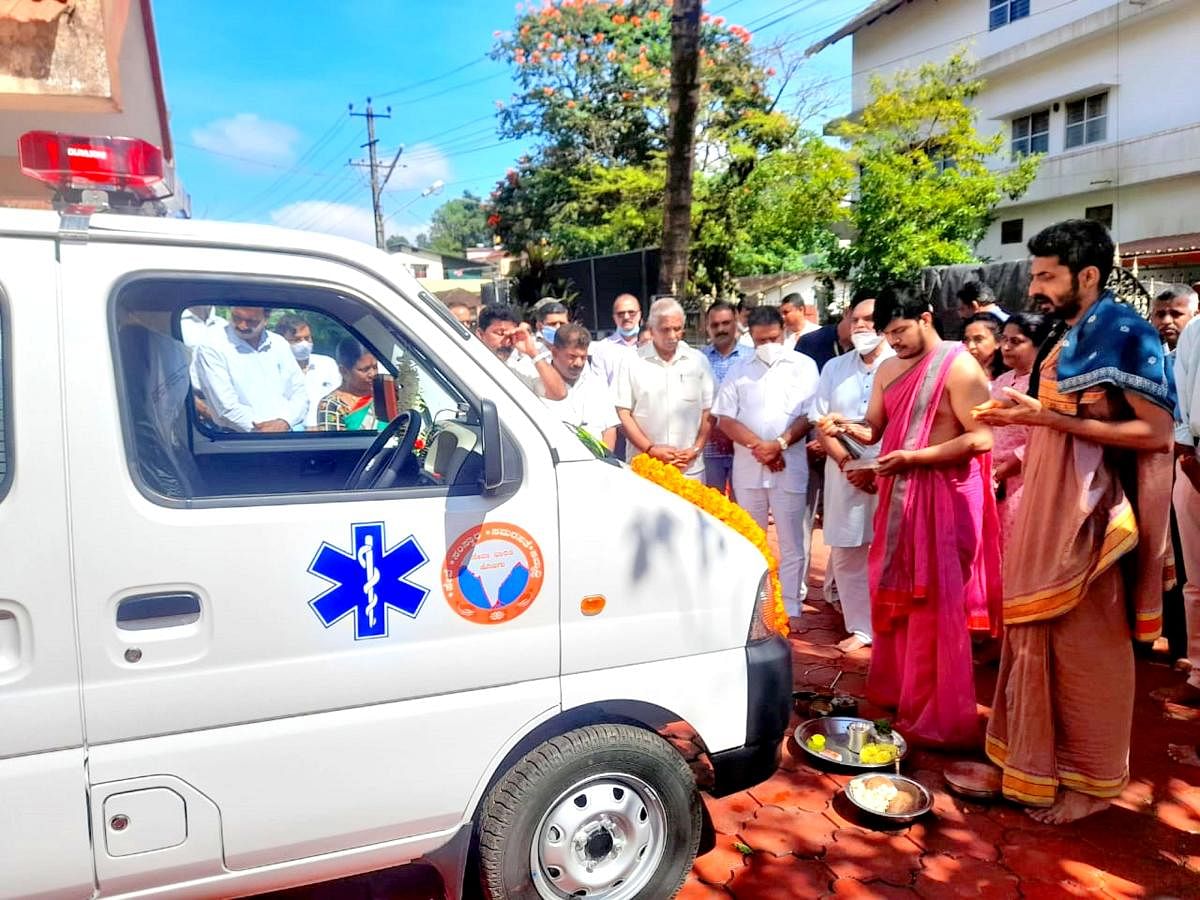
1107,89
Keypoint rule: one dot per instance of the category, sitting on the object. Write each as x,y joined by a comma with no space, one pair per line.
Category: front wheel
609,812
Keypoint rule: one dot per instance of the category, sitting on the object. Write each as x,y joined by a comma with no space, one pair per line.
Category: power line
434,79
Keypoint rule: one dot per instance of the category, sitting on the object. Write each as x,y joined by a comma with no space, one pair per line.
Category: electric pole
377,183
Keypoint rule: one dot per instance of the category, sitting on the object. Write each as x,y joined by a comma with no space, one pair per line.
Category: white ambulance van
234,660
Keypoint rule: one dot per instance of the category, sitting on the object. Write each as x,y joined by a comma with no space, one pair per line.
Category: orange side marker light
592,605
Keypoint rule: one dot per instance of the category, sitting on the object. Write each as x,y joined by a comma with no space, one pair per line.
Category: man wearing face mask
764,407
550,315
850,498
607,355
320,372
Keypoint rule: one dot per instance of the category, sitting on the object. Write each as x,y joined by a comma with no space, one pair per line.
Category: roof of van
212,233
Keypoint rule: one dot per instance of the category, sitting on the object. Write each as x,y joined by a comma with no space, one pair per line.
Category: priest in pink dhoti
935,560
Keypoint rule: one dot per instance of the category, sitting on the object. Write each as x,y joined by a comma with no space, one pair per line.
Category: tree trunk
681,152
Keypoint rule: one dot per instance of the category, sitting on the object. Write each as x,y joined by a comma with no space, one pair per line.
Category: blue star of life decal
368,580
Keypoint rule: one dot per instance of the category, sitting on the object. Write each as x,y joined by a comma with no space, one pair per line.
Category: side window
250,390
4,389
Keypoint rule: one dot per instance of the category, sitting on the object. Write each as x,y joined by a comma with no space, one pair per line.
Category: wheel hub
602,838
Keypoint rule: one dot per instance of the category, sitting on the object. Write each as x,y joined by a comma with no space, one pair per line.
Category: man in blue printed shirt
722,351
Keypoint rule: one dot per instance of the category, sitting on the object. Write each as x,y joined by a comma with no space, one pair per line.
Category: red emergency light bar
71,162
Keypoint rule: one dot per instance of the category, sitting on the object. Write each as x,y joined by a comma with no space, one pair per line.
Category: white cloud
342,219
247,135
420,166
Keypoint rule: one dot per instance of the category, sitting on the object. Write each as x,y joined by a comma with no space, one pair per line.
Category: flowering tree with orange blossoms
593,81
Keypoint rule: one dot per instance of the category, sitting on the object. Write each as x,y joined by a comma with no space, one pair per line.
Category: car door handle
144,611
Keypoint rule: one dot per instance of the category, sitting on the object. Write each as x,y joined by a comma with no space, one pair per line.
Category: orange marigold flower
618,19
548,91
635,20
570,104
612,55
556,56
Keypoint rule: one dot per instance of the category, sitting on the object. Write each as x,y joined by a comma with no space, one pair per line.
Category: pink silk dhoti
934,570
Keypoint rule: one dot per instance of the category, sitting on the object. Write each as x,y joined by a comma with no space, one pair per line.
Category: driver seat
157,389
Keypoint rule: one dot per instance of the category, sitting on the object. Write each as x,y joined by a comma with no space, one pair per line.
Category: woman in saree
1023,334
351,407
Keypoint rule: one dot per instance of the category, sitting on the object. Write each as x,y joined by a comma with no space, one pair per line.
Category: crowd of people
1008,495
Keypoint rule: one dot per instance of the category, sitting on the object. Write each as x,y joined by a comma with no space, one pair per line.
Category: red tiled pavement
804,839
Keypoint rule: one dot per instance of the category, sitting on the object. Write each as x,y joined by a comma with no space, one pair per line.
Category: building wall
1148,165
1152,209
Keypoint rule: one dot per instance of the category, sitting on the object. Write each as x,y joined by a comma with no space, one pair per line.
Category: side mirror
493,446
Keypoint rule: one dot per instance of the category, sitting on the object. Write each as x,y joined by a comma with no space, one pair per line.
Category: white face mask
865,341
769,354
302,350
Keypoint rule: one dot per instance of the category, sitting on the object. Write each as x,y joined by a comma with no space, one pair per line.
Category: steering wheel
381,464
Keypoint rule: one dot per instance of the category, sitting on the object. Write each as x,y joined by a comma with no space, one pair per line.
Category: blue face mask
628,331
548,332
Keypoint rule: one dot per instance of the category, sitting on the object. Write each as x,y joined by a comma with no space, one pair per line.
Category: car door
291,667
43,826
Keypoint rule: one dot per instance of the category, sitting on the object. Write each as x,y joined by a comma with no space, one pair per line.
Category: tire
615,797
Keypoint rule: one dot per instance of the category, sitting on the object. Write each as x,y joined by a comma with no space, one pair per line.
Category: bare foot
1070,806
1184,753
1184,694
852,643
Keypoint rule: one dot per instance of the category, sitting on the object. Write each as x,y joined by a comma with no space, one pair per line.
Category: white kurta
845,388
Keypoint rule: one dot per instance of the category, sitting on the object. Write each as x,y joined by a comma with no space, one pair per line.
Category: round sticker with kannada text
492,573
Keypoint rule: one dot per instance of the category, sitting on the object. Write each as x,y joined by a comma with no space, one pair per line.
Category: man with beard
935,555
1097,489
501,331
588,404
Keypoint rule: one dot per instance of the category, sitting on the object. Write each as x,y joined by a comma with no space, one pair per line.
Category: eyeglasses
626,313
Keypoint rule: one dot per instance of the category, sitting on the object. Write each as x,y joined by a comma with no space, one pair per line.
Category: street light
435,188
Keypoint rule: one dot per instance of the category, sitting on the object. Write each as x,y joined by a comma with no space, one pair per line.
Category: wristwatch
541,357
783,442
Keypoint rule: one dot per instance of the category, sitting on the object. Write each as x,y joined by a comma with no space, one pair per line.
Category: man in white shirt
850,499
664,393
198,325
321,373
763,406
502,331
607,354
796,323
249,377
589,403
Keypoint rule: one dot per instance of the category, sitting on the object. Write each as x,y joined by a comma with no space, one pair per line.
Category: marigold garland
717,504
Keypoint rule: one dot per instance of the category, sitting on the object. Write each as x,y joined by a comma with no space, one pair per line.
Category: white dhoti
848,566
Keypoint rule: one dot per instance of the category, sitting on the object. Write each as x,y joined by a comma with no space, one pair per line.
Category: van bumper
768,711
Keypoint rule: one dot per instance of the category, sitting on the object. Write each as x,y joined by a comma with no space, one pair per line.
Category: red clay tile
943,876
697,890
867,854
871,890
718,864
1047,858
780,832
794,790
767,877
729,813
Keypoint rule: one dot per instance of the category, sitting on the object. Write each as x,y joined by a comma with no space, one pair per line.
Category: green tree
925,193
456,225
593,88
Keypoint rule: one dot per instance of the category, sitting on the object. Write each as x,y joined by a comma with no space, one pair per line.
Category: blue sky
258,99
